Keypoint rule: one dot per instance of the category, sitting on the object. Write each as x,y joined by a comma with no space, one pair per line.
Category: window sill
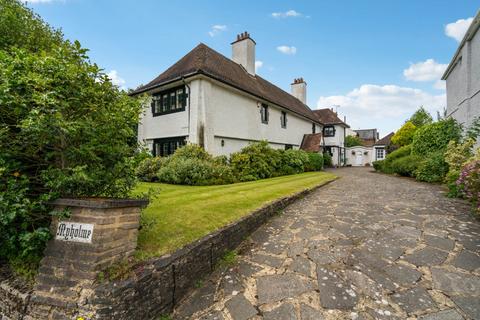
168,112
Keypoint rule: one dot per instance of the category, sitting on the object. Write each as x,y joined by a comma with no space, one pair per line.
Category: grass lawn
181,214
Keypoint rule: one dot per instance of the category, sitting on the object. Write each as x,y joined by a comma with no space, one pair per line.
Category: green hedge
191,165
406,166
433,168
435,137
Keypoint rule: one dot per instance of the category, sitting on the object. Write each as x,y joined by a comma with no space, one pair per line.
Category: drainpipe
186,85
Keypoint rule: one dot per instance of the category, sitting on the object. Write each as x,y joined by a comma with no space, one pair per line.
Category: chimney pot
243,52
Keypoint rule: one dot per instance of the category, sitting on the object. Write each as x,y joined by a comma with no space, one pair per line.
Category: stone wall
67,273
162,282
67,286
14,295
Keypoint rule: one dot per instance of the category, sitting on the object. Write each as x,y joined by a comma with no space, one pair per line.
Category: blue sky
377,60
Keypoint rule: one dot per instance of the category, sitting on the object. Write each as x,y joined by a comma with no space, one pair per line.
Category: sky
375,62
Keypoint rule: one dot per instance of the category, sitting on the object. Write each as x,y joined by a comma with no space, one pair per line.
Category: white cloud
287,50
258,65
457,29
216,29
116,79
385,107
428,70
440,85
287,14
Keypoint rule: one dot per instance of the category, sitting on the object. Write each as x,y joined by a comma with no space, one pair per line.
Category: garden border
158,284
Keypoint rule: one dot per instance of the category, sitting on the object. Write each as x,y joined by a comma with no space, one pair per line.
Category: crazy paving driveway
367,246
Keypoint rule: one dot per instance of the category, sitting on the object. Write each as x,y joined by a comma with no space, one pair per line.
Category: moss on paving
179,215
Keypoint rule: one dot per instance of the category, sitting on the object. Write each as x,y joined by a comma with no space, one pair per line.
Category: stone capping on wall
100,203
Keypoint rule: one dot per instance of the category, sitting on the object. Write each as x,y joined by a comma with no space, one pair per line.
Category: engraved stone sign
74,231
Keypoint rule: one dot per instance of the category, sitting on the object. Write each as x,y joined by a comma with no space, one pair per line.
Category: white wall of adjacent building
463,84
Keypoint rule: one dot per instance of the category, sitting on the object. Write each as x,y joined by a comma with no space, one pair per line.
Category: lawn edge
195,261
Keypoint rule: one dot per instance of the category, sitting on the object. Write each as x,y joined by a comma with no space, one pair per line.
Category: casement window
314,128
283,119
329,131
380,153
264,113
168,101
167,146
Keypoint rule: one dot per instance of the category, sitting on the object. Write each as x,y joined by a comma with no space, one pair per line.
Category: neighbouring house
373,149
463,78
222,105
334,133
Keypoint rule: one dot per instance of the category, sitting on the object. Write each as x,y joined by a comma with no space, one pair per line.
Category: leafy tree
352,141
404,135
473,131
421,117
65,130
435,137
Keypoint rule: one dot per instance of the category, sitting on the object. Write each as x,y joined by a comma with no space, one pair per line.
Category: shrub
65,129
406,166
469,183
291,162
378,165
147,169
399,153
327,160
456,156
433,168
192,151
194,172
255,161
404,135
315,162
435,136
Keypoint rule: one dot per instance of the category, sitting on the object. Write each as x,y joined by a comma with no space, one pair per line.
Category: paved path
368,246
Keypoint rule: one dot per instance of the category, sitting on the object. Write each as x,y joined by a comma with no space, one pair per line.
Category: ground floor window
167,146
288,147
380,153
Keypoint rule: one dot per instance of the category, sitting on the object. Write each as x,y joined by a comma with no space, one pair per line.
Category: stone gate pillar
99,233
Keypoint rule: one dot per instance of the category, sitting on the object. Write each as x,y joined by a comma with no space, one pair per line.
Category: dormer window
329,131
169,101
264,113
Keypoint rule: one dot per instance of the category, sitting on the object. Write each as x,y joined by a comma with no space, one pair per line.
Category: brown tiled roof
311,142
204,60
327,116
385,140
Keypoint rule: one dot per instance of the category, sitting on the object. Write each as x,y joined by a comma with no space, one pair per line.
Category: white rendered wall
351,154
463,84
236,116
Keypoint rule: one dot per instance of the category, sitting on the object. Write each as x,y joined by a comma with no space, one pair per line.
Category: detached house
222,104
334,133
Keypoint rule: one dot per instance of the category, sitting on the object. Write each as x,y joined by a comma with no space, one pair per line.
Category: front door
358,158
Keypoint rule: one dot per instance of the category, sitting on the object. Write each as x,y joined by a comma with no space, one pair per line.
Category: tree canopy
65,129
421,117
352,141
404,135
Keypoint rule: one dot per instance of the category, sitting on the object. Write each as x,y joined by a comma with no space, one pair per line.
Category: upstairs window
314,128
283,119
168,101
329,131
264,113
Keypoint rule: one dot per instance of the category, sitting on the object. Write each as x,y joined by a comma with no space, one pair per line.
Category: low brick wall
162,282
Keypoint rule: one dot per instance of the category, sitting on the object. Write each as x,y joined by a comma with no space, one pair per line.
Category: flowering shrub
469,183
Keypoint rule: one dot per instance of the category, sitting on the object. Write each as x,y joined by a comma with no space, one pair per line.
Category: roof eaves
468,36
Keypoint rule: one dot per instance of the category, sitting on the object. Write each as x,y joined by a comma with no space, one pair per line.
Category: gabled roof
328,117
206,61
385,140
472,30
311,142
